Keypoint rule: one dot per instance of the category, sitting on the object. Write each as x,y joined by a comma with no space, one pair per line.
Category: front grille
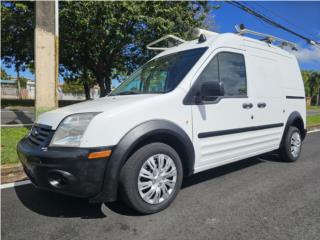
40,134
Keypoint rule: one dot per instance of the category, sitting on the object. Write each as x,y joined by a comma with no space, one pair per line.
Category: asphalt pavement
257,198
312,112
17,116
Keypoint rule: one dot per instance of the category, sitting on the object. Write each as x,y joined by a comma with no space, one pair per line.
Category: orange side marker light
101,154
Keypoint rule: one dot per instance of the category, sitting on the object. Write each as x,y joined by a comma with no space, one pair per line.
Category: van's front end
54,160
68,150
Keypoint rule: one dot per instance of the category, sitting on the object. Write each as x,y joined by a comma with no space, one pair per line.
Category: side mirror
210,89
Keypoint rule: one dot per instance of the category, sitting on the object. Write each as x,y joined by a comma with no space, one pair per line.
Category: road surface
13,116
258,198
313,112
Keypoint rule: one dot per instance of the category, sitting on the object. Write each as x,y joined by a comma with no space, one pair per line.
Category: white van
195,106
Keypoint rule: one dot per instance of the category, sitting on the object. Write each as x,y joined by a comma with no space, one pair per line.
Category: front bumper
63,169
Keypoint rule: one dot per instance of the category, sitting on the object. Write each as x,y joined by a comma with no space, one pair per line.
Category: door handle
261,105
247,105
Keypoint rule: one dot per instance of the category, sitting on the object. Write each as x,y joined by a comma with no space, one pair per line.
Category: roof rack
197,32
150,45
267,38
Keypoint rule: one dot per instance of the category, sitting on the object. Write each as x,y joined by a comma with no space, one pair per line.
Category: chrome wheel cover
295,145
157,178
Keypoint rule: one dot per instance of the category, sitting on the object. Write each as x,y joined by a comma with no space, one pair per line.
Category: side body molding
132,140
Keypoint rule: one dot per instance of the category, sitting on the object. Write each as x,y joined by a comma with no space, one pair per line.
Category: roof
8,81
14,81
226,40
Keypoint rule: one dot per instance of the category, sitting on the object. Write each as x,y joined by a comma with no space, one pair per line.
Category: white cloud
307,55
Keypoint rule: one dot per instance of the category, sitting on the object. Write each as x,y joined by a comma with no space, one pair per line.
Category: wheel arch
151,131
295,120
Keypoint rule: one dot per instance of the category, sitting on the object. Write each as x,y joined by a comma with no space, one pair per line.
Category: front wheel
151,178
291,149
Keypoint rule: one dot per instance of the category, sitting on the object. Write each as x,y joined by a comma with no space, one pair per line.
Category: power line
285,19
270,21
265,24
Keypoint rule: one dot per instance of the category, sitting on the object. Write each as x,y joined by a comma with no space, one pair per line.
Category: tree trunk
18,82
86,89
108,85
107,81
100,81
103,79
86,86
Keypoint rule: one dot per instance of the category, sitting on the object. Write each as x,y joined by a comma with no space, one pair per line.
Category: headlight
71,130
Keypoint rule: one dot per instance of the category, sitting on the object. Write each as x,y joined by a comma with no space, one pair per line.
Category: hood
105,104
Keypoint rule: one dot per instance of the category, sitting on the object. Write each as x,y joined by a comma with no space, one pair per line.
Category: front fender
129,142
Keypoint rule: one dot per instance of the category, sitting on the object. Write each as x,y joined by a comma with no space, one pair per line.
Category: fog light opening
57,180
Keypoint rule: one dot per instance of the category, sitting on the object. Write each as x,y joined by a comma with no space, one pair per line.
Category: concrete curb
10,168
14,172
313,127
16,125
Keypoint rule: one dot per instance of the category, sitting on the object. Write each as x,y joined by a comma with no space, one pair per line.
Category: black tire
285,150
130,172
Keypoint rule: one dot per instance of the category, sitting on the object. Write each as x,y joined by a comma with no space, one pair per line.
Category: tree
72,86
22,81
4,75
76,84
17,34
101,38
312,85
306,77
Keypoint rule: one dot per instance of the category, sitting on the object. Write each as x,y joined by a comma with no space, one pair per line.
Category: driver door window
228,68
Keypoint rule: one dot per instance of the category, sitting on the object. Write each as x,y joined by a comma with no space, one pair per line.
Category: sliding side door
224,128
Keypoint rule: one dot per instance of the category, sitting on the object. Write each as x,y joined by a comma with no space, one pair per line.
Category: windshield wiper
126,93
134,93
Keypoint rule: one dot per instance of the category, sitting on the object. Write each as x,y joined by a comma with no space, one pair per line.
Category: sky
302,17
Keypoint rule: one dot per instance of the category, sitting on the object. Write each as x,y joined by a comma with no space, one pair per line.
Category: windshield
160,75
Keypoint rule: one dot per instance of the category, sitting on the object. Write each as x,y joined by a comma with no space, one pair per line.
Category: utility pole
46,55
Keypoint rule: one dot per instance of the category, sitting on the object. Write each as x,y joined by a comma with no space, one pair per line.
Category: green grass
313,107
9,139
312,120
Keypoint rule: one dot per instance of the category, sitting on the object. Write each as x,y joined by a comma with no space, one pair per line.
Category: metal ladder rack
197,32
267,37
150,45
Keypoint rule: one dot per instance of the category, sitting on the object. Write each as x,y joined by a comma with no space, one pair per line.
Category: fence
13,93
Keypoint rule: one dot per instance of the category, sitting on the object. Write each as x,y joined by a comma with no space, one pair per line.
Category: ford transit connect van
195,106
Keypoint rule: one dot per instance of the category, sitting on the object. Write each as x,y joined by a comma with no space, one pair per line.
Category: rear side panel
294,93
266,90
276,80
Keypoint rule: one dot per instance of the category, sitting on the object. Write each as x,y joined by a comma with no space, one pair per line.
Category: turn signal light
101,154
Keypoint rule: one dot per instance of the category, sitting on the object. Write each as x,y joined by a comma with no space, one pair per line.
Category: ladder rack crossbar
149,46
267,37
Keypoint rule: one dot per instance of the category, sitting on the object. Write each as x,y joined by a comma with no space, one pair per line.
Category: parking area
258,198
17,116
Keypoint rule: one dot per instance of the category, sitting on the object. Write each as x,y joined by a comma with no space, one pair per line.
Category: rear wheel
291,149
151,178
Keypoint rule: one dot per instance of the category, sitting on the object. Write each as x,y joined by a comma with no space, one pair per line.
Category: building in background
9,90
